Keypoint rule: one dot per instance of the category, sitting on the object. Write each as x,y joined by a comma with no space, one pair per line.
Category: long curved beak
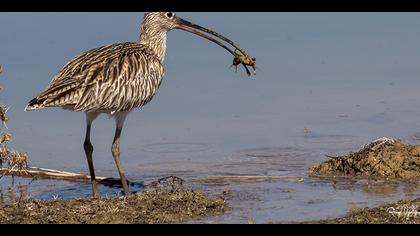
198,30
240,56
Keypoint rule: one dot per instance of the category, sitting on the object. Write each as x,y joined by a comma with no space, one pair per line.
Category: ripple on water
329,138
270,152
266,161
176,147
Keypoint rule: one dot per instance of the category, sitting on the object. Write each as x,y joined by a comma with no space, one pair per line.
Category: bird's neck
155,40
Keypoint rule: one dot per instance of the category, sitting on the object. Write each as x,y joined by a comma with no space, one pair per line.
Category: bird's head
162,22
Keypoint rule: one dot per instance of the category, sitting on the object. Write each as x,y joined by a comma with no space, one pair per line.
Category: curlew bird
117,78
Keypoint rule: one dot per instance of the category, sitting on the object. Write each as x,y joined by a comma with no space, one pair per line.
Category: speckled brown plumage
112,78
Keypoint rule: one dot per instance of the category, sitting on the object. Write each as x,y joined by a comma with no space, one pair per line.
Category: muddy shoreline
383,159
169,200
402,212
145,208
166,200
176,207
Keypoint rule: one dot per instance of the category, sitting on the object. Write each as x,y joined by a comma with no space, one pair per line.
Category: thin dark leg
89,150
116,153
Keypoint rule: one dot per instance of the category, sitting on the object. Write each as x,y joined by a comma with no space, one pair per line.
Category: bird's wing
93,80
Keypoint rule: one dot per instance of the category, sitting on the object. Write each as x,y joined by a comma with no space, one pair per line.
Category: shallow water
328,84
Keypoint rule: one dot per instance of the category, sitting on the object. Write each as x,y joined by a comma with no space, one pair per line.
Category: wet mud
383,158
402,212
163,201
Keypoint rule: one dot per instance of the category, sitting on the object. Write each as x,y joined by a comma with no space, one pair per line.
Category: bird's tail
34,104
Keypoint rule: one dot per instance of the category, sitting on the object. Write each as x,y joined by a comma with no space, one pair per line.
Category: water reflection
374,188
50,189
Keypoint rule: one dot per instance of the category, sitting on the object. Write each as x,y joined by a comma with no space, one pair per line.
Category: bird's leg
116,152
89,150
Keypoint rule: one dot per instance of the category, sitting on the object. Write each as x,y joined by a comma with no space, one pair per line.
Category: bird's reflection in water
47,190
108,187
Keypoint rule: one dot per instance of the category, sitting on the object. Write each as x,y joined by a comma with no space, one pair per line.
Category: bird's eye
169,15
